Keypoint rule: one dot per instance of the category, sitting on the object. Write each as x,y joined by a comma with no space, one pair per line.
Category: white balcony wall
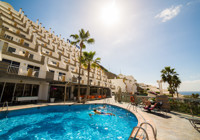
62,65
56,74
55,55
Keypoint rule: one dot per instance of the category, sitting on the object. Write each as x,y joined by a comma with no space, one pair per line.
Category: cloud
169,13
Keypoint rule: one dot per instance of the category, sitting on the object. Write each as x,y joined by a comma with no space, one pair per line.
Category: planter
52,100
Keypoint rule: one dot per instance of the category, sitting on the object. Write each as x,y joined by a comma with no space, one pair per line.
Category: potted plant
52,100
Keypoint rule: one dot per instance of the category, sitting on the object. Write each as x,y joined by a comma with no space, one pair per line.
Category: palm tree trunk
88,83
79,74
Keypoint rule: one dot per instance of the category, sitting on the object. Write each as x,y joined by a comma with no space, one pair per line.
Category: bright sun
110,14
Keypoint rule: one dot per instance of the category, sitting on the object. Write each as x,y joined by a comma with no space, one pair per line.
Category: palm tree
176,83
89,62
167,76
80,40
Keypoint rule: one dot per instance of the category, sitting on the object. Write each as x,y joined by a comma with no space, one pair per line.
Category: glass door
8,92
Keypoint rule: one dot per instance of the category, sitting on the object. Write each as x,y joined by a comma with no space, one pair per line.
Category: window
22,35
8,92
33,67
27,90
35,70
53,62
30,56
8,37
11,50
26,44
7,61
1,89
11,63
60,73
19,90
60,77
51,71
15,64
46,52
5,27
35,90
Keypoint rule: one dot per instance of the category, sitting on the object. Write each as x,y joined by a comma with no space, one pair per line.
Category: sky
132,37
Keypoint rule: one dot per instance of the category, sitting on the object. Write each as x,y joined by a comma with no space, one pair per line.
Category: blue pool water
66,122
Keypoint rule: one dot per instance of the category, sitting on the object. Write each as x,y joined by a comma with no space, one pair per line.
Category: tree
171,77
89,62
195,95
81,39
176,82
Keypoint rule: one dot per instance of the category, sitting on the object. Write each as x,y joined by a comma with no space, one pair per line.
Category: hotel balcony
98,78
22,54
62,78
14,69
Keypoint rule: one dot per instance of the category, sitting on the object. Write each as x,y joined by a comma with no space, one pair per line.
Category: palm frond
75,42
87,35
83,46
91,41
97,60
74,36
94,65
82,33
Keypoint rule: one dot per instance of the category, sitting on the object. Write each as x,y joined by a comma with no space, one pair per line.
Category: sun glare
110,14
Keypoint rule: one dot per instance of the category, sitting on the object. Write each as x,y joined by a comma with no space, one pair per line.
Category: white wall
43,91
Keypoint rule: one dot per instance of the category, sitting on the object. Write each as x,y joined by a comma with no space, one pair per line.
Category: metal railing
153,130
135,136
145,132
13,69
5,103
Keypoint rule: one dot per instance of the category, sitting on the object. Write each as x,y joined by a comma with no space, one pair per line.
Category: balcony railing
13,69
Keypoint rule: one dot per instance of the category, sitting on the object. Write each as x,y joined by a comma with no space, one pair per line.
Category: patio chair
161,104
157,105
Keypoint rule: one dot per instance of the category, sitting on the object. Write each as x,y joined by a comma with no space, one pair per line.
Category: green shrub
185,106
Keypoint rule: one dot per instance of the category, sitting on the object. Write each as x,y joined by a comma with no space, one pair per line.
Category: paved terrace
172,126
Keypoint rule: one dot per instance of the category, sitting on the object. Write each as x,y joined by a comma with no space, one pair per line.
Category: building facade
127,84
34,62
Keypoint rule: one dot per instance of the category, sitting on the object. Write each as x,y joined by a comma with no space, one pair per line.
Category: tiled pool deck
169,127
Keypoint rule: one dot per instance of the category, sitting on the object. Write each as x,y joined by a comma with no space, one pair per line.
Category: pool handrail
5,103
154,130
139,127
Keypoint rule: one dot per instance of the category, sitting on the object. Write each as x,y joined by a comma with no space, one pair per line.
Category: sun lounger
195,123
161,104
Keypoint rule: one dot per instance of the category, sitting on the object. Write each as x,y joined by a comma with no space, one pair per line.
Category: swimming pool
67,122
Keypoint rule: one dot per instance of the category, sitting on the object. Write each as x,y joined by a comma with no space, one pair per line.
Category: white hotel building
35,63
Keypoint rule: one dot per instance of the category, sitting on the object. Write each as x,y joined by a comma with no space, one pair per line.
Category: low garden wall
183,105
